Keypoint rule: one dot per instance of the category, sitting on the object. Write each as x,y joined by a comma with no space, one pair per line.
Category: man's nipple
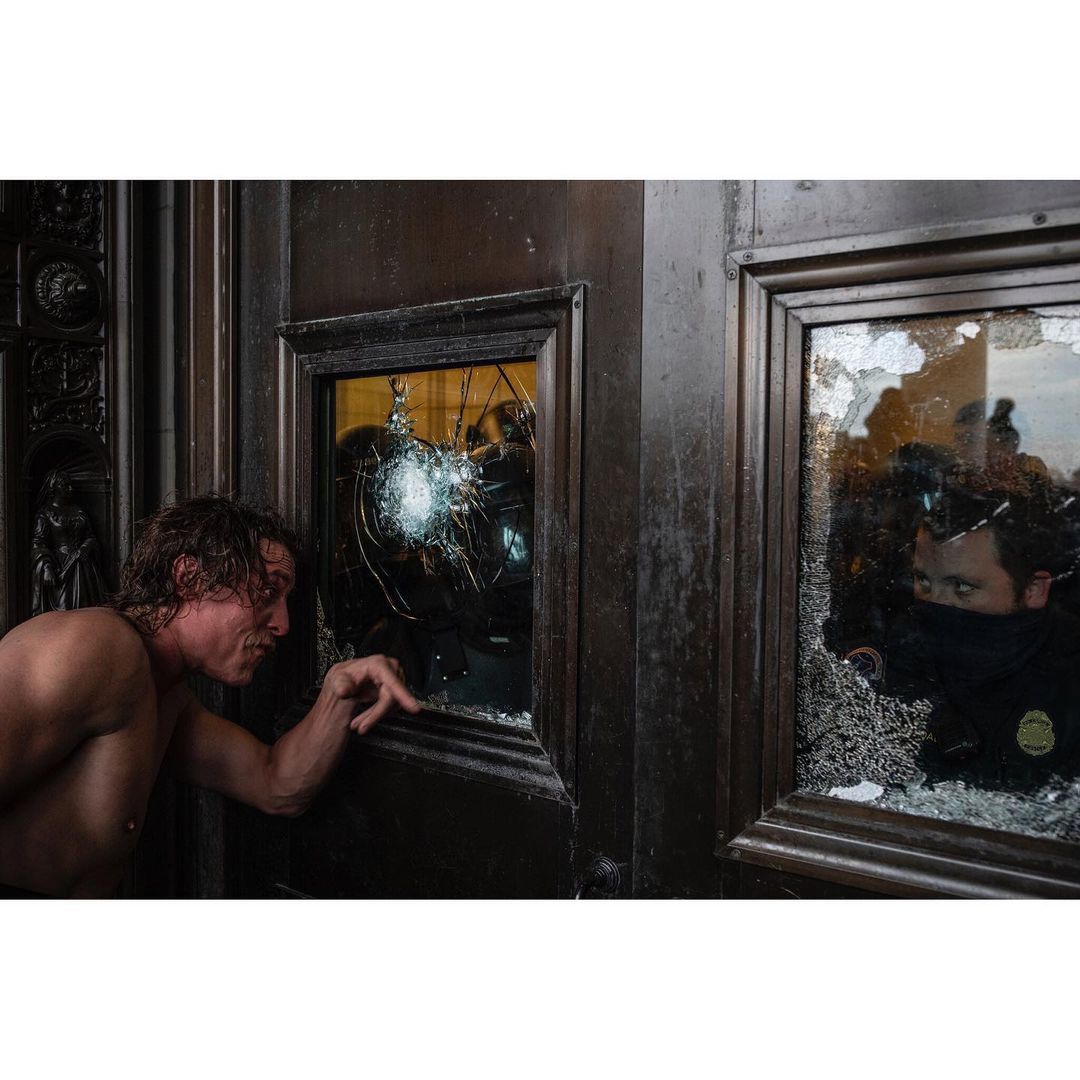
130,825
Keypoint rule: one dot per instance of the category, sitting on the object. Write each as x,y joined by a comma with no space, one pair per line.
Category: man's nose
939,593
279,619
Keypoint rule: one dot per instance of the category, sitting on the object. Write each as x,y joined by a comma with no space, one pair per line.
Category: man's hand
211,752
375,681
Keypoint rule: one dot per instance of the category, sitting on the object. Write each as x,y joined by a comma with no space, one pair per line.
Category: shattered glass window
939,598
432,514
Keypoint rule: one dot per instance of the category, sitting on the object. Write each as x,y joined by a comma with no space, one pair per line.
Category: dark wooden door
823,279
669,745
336,280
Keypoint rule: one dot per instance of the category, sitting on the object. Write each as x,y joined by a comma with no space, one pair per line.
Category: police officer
982,641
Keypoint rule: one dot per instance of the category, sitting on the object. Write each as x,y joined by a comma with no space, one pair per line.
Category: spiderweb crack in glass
418,489
846,733
439,519
423,491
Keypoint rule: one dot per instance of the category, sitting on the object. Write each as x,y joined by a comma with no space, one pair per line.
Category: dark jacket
1005,690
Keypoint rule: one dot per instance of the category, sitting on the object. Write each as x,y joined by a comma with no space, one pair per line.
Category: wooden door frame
207,435
544,325
775,294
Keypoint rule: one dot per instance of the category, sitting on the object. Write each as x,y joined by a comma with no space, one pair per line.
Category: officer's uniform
1005,689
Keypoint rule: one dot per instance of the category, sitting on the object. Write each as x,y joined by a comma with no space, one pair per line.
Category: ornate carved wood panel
66,249
69,211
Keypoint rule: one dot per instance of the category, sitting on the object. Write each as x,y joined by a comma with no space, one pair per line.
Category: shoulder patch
867,662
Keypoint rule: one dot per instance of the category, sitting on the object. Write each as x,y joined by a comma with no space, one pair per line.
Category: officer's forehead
964,547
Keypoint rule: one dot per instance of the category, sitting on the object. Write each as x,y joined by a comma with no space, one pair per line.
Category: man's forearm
301,761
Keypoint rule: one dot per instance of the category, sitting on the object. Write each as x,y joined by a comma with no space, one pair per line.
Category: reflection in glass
433,506
939,608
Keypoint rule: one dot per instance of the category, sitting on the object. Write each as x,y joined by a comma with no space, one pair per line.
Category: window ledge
901,854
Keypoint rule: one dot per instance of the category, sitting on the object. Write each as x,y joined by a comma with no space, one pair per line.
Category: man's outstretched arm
211,752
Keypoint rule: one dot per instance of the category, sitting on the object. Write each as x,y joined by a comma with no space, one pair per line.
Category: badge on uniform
867,662
1035,733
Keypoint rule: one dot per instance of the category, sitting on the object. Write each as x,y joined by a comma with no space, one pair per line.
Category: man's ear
1037,591
185,575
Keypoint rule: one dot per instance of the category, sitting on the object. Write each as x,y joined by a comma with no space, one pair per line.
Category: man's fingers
401,695
379,680
387,674
365,721
372,674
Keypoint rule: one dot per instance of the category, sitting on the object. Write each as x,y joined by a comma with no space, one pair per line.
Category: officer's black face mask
970,647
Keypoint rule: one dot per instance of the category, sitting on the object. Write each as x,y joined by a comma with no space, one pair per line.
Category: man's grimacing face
228,634
965,572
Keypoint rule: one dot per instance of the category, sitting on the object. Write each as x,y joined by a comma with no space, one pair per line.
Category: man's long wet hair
221,534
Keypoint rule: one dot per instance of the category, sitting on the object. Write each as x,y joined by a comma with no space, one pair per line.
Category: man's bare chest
75,830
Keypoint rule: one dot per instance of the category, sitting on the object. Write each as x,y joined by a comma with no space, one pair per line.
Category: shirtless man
93,703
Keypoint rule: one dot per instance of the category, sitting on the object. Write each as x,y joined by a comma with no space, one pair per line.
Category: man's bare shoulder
92,657
93,631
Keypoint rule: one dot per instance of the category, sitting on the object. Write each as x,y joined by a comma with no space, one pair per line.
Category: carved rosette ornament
66,294
65,386
67,210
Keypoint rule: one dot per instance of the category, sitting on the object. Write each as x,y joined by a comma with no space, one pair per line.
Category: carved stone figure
64,551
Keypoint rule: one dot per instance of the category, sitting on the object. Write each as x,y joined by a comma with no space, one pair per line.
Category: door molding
544,325
775,296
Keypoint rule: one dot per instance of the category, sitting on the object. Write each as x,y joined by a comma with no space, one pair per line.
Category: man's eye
922,582
963,588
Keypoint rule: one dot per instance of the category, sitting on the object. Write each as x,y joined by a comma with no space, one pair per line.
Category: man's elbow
285,804
280,797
